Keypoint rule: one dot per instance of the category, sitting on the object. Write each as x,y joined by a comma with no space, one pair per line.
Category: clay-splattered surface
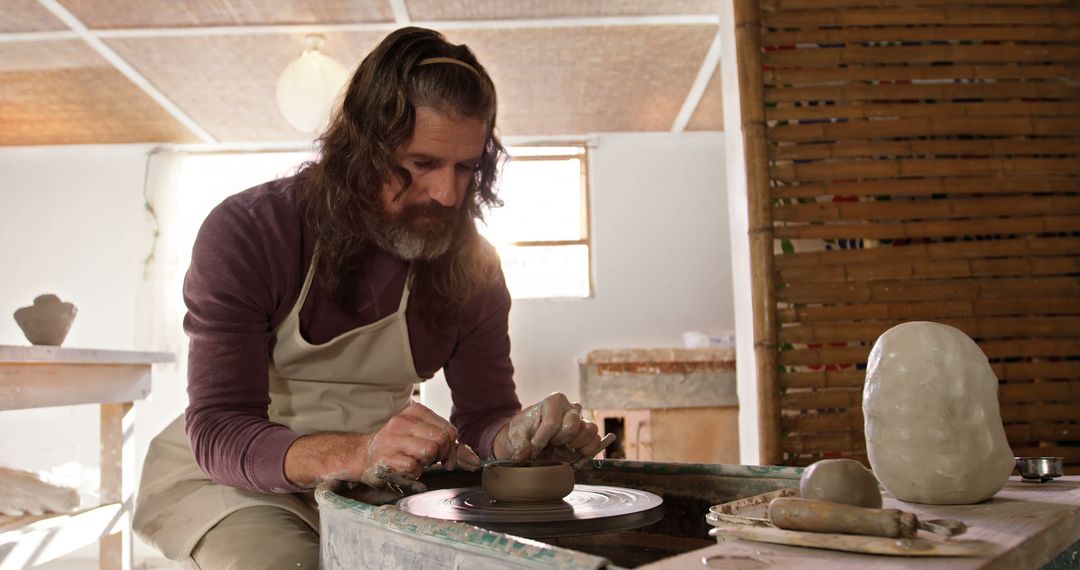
356,533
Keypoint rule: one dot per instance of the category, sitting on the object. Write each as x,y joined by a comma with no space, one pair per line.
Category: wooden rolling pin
820,516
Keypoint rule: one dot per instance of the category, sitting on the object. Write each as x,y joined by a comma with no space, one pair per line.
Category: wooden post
748,52
118,482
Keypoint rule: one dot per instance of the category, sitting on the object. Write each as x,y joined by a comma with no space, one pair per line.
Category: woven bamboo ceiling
101,71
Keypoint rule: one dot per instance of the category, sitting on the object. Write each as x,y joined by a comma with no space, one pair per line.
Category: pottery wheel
587,509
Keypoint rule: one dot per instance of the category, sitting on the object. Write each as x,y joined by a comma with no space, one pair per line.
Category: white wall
746,363
73,223
660,262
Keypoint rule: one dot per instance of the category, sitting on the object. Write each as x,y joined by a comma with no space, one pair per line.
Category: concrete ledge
658,379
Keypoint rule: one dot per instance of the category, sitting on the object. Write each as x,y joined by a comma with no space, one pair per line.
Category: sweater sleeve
480,373
231,301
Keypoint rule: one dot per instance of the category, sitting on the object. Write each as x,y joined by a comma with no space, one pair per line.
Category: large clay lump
933,426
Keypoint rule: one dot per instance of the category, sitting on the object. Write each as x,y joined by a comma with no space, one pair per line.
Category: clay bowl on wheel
529,482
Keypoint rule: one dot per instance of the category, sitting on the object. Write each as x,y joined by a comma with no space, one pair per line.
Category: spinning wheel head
587,509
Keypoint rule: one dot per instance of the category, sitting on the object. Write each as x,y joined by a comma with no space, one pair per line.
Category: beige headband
432,60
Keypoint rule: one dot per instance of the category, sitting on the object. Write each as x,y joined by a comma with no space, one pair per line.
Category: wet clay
529,482
843,481
933,426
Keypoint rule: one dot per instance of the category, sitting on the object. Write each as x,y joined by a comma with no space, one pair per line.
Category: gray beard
400,238
402,241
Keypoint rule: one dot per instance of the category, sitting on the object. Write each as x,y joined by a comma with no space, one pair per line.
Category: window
542,230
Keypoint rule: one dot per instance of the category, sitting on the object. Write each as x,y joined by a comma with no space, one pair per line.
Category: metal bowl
1040,469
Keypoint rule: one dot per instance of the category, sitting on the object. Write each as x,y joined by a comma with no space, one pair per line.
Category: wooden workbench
1029,523
44,376
656,401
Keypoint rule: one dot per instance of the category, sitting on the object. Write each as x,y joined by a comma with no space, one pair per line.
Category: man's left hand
550,429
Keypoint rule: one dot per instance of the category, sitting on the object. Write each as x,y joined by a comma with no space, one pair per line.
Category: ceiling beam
401,12
701,82
676,19
581,22
126,69
52,36
243,147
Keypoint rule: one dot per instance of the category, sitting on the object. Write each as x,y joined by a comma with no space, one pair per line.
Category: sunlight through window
541,232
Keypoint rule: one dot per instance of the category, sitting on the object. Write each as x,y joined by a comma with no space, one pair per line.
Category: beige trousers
258,538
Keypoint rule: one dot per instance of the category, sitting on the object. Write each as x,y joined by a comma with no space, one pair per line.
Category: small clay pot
47,321
529,482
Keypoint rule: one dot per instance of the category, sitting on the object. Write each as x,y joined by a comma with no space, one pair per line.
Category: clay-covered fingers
560,422
401,485
597,446
465,458
585,438
462,457
404,465
518,436
423,449
571,426
411,440
551,423
519,433
421,428
553,412
420,422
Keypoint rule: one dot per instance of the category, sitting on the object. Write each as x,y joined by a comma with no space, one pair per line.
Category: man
316,302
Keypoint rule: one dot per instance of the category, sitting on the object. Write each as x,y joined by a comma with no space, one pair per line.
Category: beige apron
355,382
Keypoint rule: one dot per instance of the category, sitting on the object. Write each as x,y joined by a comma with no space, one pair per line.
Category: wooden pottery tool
604,443
793,513
833,526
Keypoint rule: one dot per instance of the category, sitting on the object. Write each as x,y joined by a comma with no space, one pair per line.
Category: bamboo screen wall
922,162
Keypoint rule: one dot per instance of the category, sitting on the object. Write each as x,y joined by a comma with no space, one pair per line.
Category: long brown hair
357,157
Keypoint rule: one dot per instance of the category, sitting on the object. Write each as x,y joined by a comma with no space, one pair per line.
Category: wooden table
44,376
1029,523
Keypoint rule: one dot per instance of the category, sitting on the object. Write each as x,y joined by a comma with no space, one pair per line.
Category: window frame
583,211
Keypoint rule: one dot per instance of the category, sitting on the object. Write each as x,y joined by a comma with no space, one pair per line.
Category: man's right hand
413,439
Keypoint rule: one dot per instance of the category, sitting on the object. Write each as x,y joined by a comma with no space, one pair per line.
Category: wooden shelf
26,541
56,354
46,376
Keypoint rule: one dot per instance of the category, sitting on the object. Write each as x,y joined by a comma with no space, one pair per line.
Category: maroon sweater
247,268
